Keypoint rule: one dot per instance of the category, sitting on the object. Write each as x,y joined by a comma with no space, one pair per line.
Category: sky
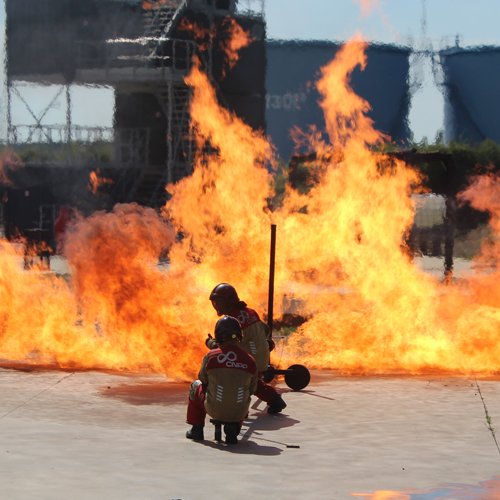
388,21
420,24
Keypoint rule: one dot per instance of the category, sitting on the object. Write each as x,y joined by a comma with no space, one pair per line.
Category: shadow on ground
251,440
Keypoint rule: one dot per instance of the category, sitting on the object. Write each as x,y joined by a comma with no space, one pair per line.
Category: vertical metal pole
169,113
9,113
449,225
7,82
68,113
270,303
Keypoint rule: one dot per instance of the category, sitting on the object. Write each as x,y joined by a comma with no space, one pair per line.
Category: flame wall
340,254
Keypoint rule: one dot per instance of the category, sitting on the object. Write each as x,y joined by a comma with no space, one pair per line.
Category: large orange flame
341,260
119,312
379,313
222,209
484,194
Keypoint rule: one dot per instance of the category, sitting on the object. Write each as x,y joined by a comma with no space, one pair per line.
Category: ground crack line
488,418
35,396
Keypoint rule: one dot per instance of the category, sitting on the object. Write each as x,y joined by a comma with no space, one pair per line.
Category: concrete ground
92,435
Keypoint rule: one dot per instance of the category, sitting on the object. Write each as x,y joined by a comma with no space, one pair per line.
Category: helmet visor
217,305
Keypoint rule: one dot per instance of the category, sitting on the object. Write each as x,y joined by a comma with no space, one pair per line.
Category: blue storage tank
292,99
472,93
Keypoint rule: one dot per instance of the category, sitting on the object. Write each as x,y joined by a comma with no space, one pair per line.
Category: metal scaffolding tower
147,59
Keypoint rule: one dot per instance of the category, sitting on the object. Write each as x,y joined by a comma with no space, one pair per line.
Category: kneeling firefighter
256,341
226,381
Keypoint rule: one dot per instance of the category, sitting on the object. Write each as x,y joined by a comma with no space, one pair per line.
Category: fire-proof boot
276,405
195,433
232,430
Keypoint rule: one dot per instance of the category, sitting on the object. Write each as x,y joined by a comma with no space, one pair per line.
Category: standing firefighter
227,380
256,339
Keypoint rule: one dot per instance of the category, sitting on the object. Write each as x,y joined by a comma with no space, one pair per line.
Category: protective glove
271,344
210,342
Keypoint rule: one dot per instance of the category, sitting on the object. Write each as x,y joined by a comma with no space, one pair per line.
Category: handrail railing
131,52
251,7
51,134
59,144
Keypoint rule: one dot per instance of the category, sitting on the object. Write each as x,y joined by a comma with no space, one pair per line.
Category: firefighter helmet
224,298
227,328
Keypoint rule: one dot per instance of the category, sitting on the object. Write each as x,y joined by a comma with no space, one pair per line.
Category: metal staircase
159,54
157,20
158,25
149,188
157,48
181,152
